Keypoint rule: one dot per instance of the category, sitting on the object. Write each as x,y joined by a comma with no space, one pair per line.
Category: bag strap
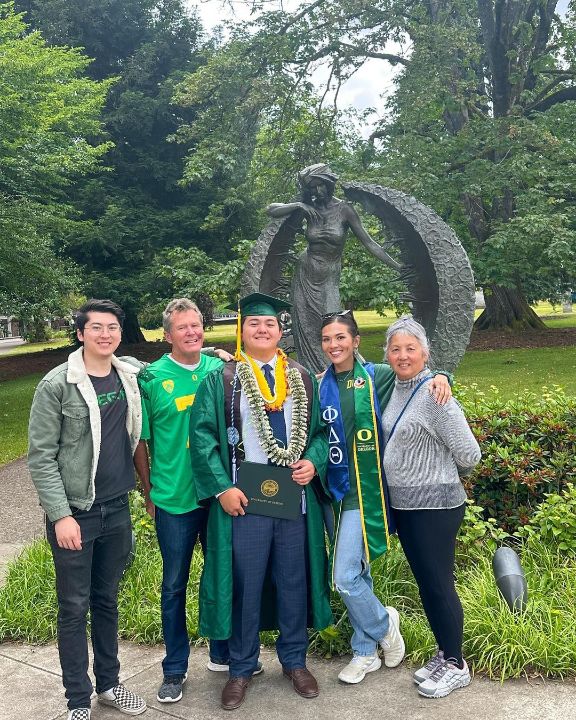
428,377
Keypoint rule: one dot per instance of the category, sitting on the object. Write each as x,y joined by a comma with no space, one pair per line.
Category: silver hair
178,305
406,325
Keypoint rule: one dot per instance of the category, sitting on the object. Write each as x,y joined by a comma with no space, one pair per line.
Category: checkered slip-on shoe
79,714
123,700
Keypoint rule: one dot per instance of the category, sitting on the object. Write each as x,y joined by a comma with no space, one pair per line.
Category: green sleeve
208,440
44,432
448,375
384,378
317,450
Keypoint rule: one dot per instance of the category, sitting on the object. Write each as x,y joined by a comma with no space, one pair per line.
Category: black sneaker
171,689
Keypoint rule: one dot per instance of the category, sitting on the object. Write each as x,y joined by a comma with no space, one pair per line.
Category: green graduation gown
211,474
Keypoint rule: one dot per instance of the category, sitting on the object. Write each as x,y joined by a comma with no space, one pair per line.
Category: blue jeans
177,535
88,579
368,617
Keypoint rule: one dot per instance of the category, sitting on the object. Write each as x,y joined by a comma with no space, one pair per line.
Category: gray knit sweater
429,450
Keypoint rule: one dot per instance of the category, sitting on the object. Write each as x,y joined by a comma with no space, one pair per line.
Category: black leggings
428,538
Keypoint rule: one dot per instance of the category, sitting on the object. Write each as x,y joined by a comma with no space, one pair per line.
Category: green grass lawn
28,348
367,320
15,401
510,371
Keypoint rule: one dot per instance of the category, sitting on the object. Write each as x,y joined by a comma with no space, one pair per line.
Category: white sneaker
425,671
217,667
393,643
358,667
444,679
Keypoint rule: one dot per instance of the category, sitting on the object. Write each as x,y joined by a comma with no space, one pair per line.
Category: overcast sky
360,92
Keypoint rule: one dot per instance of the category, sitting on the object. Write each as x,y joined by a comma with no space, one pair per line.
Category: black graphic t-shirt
115,471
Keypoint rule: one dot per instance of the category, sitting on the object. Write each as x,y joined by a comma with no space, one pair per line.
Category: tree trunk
507,309
131,332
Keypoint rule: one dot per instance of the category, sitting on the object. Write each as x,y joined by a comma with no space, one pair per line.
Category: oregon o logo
269,488
364,434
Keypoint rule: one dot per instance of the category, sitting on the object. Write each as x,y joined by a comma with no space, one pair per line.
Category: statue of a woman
315,286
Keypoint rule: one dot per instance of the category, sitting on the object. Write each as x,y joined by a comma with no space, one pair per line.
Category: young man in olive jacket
85,424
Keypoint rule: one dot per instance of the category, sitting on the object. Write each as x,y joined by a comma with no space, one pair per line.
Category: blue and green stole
367,455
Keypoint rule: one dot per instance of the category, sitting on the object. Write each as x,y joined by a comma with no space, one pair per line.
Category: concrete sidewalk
21,517
31,688
7,344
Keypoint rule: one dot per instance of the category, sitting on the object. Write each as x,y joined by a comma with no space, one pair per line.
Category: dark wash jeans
177,536
88,579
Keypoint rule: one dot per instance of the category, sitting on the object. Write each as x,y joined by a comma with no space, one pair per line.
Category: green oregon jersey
168,392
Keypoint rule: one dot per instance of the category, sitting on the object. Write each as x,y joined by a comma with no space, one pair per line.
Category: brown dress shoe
234,692
303,682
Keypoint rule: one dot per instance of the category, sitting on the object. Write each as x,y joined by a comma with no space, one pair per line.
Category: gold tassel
238,355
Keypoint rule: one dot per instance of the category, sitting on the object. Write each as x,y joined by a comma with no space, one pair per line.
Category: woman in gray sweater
428,448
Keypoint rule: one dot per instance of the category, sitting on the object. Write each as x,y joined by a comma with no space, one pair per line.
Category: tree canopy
480,124
49,125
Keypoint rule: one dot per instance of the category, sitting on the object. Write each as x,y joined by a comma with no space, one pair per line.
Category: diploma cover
270,490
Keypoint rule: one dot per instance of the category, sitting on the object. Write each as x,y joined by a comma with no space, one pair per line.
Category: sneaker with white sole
171,689
425,671
393,643
122,699
217,667
358,667
79,714
444,679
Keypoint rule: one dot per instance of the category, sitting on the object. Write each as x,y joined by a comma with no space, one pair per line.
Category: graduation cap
256,304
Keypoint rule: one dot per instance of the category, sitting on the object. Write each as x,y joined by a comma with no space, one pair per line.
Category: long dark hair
346,318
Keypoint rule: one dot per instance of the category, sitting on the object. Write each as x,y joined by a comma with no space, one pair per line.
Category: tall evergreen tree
50,136
137,208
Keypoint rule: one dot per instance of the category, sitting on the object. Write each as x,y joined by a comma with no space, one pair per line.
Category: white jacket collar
77,370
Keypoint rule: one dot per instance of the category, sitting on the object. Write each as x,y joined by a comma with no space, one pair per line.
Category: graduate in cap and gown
261,572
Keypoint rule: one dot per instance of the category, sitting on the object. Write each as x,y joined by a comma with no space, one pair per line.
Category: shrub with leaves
527,451
554,523
477,533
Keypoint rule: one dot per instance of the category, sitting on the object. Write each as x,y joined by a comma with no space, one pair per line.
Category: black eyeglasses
339,313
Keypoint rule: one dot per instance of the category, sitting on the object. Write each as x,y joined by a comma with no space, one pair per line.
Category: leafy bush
527,451
477,533
554,523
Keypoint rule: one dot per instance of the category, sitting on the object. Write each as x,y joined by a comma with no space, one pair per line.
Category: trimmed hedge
528,450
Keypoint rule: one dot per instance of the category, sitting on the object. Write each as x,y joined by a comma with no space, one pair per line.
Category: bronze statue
316,281
433,265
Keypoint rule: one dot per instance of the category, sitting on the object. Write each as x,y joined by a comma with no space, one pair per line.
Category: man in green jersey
168,387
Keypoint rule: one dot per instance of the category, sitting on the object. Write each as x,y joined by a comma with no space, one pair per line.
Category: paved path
9,343
21,518
31,681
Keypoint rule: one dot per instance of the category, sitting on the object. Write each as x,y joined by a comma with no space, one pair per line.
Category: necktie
276,417
277,423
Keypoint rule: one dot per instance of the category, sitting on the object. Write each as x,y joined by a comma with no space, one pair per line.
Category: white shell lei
298,433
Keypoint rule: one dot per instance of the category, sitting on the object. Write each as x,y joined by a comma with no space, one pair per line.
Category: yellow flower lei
276,401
